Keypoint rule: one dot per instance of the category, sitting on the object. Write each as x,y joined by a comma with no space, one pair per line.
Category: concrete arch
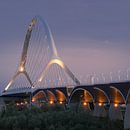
116,96
101,96
81,94
60,96
39,95
51,96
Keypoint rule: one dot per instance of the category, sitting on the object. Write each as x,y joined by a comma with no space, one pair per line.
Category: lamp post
119,75
87,79
91,79
95,78
103,77
111,76
128,73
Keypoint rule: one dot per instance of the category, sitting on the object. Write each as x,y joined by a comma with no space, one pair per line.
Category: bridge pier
99,110
115,112
127,117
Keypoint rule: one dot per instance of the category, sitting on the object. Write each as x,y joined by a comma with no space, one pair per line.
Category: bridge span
101,99
116,93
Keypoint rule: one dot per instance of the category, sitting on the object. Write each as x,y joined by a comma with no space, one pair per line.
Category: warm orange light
100,104
51,102
21,69
115,105
33,100
61,102
85,104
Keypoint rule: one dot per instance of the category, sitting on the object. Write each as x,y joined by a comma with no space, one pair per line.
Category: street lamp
128,73
87,79
103,77
111,76
97,79
92,79
119,75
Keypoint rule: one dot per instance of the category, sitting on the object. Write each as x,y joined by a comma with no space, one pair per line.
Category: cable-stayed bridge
42,75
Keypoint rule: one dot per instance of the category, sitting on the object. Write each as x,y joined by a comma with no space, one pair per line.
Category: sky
92,36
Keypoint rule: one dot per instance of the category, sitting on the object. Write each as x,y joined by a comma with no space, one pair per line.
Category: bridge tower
39,54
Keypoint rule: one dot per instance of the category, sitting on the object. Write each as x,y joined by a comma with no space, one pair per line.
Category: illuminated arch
51,96
116,95
39,95
54,58
58,61
101,96
61,96
83,94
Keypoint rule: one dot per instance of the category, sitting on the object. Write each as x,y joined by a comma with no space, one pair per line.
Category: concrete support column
115,112
127,117
99,110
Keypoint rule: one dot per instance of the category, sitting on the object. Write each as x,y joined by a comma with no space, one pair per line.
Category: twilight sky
90,35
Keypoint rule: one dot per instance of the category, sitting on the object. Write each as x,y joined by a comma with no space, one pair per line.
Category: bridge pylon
38,55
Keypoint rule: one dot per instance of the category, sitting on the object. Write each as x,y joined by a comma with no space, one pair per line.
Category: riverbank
53,118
